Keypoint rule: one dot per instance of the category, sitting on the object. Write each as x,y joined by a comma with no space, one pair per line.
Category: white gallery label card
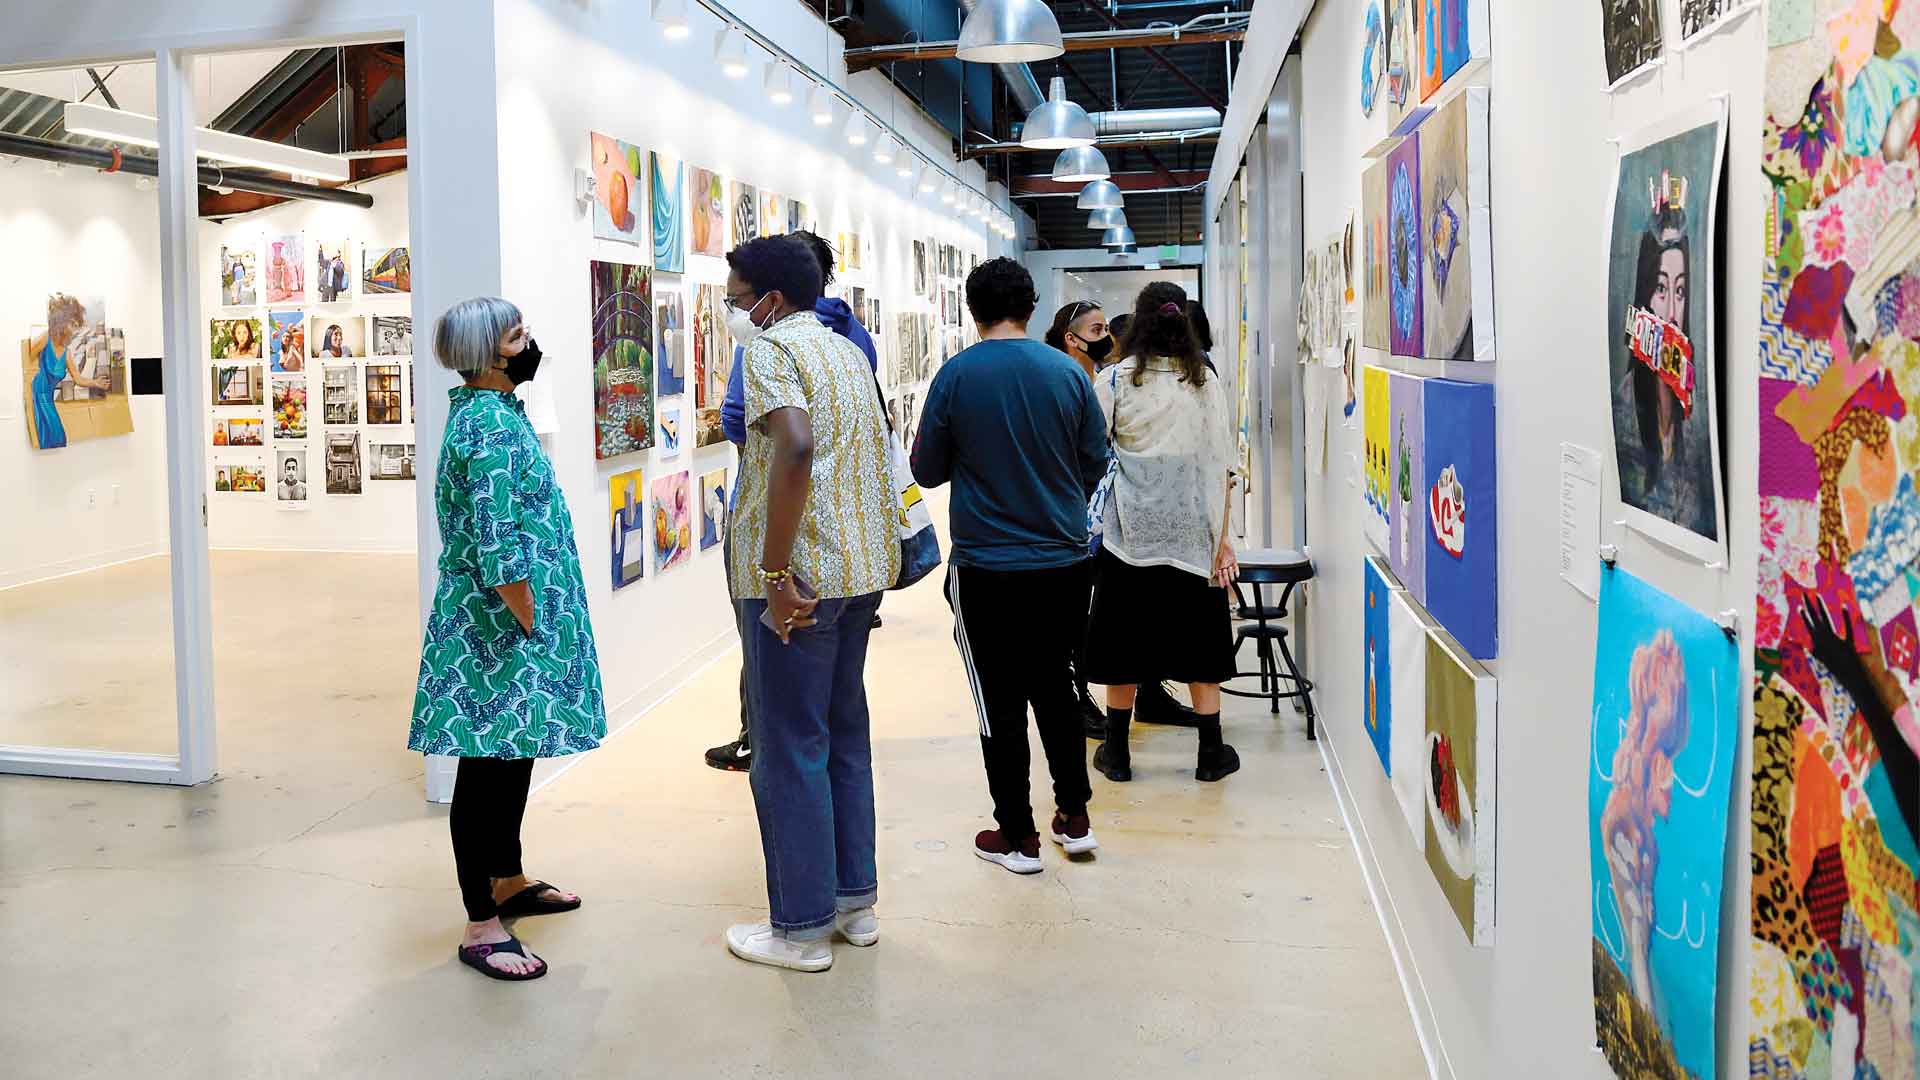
1580,476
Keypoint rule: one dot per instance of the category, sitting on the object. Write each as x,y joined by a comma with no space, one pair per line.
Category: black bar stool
1266,624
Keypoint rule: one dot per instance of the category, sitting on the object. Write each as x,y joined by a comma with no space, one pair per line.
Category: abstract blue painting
669,214
1458,484
1666,714
1378,698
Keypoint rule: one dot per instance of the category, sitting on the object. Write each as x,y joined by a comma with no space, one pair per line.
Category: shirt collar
464,393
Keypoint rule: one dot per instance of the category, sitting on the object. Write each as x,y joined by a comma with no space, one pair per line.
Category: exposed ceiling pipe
1018,77
1149,121
210,176
1104,142
872,56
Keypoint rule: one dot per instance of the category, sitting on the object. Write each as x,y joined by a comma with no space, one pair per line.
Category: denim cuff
812,930
846,900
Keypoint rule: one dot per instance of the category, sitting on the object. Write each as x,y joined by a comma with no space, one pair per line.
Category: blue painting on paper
1458,484
1378,703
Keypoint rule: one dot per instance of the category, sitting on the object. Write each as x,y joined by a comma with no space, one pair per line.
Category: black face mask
522,366
1098,350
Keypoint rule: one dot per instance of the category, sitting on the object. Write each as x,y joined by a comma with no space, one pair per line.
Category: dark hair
1202,328
780,264
1118,327
1666,231
999,290
822,251
1056,335
1161,328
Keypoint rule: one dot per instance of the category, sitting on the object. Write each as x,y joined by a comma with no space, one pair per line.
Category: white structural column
186,410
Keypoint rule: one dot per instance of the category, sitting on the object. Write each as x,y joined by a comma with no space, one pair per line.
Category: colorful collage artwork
1663,359
1836,782
1666,708
623,395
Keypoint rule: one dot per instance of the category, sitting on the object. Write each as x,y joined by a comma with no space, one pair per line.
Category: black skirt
1156,622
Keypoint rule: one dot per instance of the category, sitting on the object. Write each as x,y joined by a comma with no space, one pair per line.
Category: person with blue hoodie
836,316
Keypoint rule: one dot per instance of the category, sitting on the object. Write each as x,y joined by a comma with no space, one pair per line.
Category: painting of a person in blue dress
52,353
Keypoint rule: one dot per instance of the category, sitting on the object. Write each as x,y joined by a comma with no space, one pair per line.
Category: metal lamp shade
1080,163
1101,195
1057,123
1010,32
1126,249
1107,219
1120,236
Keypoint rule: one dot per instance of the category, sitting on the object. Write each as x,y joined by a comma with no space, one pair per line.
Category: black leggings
489,799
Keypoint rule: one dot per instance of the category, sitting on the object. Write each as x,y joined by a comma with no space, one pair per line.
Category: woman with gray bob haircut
508,670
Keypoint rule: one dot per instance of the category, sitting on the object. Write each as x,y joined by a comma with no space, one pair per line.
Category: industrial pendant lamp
1077,164
1010,32
1057,123
1117,237
1126,249
1107,219
1101,195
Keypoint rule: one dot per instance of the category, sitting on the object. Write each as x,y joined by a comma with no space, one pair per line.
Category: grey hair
467,337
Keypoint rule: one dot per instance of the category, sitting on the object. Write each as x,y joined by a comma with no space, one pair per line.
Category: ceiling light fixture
730,52
1057,123
856,130
1101,195
820,106
907,164
928,178
1010,32
777,83
117,125
951,195
1078,164
883,149
1112,218
672,17
1117,237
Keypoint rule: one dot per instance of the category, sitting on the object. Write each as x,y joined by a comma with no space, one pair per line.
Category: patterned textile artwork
1836,781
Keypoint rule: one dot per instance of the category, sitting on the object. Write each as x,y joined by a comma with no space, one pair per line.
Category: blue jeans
812,772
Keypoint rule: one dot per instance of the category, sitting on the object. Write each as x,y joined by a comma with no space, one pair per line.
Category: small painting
390,461
287,340
672,421
237,384
383,394
385,271
672,521
617,173
707,201
1406,494
1377,445
1631,36
332,280
289,406
239,275
1452,32
669,214
337,337
799,217
235,339
290,486
1406,332
1666,724
286,269
339,394
344,467
626,504
712,364
713,508
1661,311
623,395
1374,315
1407,631
1457,470
773,214
744,200
670,322
392,335
1457,767
1377,705
1456,280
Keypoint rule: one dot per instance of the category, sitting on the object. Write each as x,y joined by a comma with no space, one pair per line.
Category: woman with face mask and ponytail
508,670
1080,330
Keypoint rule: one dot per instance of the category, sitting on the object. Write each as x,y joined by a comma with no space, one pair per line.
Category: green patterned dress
486,688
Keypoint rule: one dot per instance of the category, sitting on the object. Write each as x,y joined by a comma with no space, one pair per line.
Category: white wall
381,518
1523,1007
624,80
98,501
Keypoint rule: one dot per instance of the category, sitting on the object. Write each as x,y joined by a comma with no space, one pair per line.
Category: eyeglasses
738,304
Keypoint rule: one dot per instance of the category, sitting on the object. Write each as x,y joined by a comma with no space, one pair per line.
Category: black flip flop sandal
475,956
528,901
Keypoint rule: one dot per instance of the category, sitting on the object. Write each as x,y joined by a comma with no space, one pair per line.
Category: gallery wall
1523,1005
629,83
97,501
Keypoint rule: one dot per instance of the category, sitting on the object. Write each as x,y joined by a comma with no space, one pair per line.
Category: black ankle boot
1154,705
1093,720
1217,760
1112,759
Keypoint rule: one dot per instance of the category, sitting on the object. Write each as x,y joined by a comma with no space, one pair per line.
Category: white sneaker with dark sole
757,943
859,927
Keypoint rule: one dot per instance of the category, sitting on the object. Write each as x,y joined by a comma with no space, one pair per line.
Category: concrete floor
297,917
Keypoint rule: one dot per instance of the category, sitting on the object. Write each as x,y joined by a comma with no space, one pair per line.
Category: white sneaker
758,943
993,847
859,926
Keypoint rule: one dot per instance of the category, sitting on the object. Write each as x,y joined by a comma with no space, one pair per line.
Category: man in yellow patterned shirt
815,541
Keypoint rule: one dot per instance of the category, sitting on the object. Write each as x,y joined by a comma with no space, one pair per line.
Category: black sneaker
1156,705
733,757
1217,763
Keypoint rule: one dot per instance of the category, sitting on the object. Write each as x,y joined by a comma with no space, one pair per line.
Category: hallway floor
297,917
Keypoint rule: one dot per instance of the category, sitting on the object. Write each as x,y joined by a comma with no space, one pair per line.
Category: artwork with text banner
1406,494
1458,465
626,506
1457,764
669,214
1836,781
618,171
1666,705
622,359
1662,302
712,363
73,375
1378,590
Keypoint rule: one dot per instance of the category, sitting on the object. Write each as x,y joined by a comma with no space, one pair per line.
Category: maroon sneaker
1074,834
993,847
